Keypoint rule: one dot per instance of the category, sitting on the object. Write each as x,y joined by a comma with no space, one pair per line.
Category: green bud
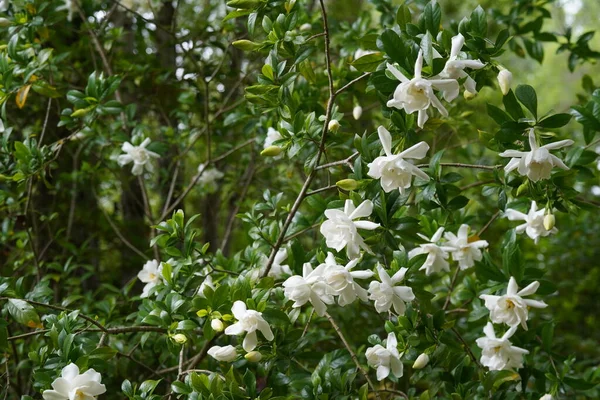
271,151
202,313
179,338
81,112
246,45
243,4
253,356
549,221
468,95
347,184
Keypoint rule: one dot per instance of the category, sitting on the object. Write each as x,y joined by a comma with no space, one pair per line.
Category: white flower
505,78
437,256
386,294
217,325
465,251
207,282
357,112
273,135
385,359
512,309
417,94
333,126
225,353
311,287
421,361
547,396
340,229
499,353
3,5
277,270
249,321
455,68
209,177
70,6
534,225
536,163
138,155
151,275
341,280
75,386
392,169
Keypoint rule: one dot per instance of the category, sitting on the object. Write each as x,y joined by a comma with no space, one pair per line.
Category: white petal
448,87
535,303
265,329
54,395
558,145
532,142
417,151
235,329
419,64
368,225
457,43
529,289
363,210
382,372
70,371
386,140
512,287
250,341
239,309
394,71
422,118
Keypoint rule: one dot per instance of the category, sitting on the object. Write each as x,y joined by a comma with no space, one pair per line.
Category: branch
467,348
320,190
461,165
352,354
340,162
488,223
352,82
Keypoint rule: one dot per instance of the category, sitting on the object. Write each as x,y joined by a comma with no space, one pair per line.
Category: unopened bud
549,221
217,325
271,151
547,397
202,313
505,80
253,356
179,338
306,27
468,95
243,4
357,112
5,22
334,125
81,112
421,361
246,45
347,184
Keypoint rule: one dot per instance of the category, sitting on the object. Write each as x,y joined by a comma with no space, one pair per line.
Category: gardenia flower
138,155
340,229
417,94
311,287
209,177
225,353
249,321
512,309
455,68
385,359
436,255
464,250
272,136
341,280
357,112
277,270
499,353
534,225
386,294
75,386
537,163
392,169
151,275
505,78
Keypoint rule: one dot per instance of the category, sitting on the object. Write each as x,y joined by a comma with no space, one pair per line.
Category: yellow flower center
509,304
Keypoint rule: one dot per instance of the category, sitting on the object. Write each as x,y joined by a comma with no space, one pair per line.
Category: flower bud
549,221
5,22
505,80
253,356
271,151
202,313
334,125
421,361
243,4
179,338
468,95
227,317
81,112
225,353
246,45
547,396
306,27
217,325
347,184
357,112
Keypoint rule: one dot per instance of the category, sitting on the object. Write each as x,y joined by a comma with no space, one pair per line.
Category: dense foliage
298,199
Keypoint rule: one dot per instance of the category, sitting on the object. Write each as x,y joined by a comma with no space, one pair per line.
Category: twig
451,288
398,392
466,346
475,184
461,165
316,35
352,354
300,232
320,190
345,161
352,82
488,223
247,179
308,323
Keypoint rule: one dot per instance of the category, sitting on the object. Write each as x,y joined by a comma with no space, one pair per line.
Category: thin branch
352,82
475,184
461,165
496,214
320,190
316,35
300,232
451,288
247,179
467,348
352,354
345,161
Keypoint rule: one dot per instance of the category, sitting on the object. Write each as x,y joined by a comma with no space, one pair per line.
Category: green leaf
526,95
367,63
181,388
479,22
555,121
103,353
512,106
431,18
497,114
578,384
24,313
403,16
393,46
427,47
585,117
